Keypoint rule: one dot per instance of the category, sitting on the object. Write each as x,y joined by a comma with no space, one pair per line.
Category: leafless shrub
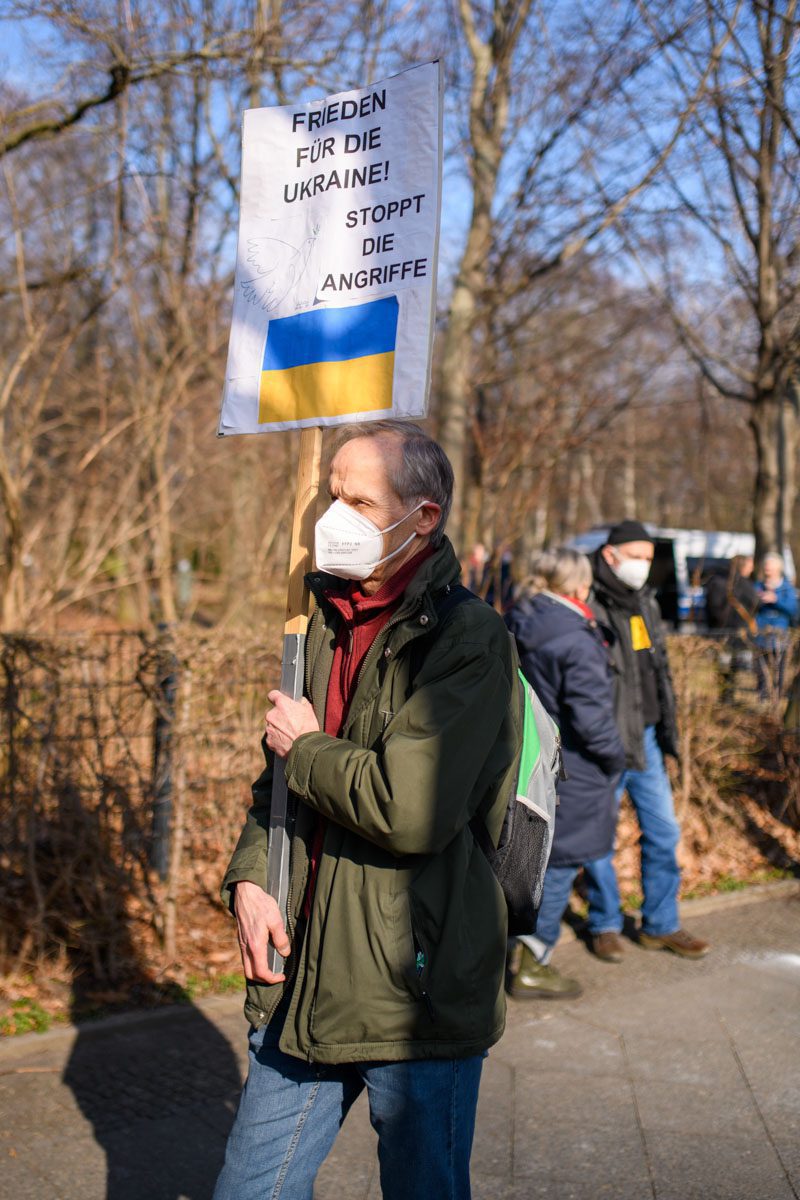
77,892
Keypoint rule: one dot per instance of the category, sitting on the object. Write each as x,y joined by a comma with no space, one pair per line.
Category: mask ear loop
389,529
394,553
411,537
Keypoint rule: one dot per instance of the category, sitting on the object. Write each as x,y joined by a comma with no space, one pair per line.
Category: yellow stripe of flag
326,389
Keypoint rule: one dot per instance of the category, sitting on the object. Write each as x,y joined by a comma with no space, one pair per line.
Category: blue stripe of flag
332,334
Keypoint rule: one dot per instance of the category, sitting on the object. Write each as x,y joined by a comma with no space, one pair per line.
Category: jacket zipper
421,964
373,652
397,619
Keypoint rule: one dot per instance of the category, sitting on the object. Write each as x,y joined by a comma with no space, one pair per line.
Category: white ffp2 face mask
348,544
633,572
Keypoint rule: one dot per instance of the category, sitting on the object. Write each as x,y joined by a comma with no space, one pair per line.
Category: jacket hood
541,619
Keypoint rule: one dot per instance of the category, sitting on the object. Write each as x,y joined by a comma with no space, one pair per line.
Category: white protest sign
335,284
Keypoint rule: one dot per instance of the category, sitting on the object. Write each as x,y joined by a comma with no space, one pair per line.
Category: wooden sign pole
293,661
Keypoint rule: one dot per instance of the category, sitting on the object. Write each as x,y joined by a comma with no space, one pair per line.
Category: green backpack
520,858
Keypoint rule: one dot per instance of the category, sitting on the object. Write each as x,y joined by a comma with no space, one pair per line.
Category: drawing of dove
279,266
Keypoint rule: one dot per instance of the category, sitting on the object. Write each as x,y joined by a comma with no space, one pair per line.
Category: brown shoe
608,946
679,942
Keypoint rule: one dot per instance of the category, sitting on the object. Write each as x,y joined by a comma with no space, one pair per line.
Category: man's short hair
424,472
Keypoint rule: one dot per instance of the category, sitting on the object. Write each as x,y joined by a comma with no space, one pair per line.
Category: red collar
579,604
354,605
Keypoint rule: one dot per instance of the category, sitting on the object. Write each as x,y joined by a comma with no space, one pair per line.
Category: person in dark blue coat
564,657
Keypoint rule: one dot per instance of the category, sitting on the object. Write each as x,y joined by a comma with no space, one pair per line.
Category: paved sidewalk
666,1080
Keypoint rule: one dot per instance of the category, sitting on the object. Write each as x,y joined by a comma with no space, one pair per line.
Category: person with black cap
627,611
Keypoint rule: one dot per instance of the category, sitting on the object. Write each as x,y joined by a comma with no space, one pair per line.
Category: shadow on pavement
160,1099
159,1094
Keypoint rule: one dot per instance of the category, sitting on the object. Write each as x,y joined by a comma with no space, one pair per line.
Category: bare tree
735,188
548,113
120,186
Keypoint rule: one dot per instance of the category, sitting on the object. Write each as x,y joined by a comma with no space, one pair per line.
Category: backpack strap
453,595
443,602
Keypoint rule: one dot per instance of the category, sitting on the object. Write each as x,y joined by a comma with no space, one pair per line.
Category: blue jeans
290,1112
558,883
651,796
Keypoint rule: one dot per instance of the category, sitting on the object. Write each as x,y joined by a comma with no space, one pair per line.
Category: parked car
683,562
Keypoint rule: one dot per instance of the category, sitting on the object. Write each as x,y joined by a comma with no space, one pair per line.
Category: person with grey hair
566,661
395,937
777,612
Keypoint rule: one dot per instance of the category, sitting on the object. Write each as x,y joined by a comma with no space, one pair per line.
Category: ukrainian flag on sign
329,362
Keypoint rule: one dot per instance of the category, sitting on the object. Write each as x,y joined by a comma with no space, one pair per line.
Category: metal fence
125,765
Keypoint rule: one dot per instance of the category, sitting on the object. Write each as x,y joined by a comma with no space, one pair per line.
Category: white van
683,562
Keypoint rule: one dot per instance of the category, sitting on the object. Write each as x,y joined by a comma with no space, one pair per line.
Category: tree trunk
539,483
629,469
790,439
457,369
12,592
765,424
161,535
594,514
569,517
455,398
490,87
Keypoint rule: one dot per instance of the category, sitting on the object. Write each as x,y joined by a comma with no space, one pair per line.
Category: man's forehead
370,456
637,549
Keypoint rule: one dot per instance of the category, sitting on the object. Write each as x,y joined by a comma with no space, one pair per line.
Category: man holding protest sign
395,937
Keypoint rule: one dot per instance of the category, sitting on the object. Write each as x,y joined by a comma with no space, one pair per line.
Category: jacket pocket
419,970
458,916
364,986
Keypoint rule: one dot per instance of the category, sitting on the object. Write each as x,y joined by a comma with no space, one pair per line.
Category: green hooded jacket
403,954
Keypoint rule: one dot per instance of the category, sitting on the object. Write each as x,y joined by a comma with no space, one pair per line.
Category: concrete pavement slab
584,1153
689,1167
785,1136
69,1163
556,1188
553,1099
666,1107
688,1061
493,1155
17,1179
32,1100
566,1041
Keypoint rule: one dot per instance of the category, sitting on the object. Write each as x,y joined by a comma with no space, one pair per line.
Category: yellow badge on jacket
639,635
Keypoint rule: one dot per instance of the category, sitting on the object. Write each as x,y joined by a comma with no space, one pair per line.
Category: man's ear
608,554
427,519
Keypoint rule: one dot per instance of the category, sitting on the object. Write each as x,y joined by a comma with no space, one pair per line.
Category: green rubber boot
531,979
